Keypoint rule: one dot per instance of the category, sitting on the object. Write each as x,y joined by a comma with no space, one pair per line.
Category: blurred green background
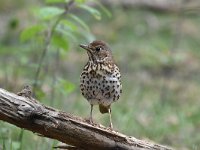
156,48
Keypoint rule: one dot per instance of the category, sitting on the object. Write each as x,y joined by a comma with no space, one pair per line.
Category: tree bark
31,115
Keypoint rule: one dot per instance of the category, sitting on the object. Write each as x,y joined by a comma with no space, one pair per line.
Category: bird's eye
98,49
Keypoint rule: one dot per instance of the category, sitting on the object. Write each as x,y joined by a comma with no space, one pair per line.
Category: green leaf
60,41
69,25
91,10
80,21
56,1
66,33
70,35
47,13
104,9
31,31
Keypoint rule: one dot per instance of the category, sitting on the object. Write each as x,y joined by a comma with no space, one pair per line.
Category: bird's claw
110,127
91,121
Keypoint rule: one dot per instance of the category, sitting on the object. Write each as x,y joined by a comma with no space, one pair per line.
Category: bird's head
98,51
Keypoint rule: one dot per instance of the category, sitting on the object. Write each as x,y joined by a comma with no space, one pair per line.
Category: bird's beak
84,47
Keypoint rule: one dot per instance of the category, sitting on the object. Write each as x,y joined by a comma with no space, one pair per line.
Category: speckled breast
99,84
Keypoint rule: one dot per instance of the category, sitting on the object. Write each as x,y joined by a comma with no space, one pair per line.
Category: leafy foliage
52,31
31,32
57,27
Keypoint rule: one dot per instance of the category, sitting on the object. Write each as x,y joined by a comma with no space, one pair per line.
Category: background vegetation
157,52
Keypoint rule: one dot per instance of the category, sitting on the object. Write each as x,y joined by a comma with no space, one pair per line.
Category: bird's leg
91,120
111,125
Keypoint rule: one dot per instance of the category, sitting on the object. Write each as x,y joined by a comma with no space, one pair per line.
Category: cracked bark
33,116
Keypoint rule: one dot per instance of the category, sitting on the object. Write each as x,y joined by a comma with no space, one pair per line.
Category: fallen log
26,112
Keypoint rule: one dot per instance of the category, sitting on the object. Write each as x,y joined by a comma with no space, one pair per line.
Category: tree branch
29,114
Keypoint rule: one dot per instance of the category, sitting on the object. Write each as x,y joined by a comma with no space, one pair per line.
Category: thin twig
56,68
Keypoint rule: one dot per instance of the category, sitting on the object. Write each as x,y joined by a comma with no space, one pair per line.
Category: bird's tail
103,109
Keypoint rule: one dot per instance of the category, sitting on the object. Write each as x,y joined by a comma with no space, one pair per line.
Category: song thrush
100,80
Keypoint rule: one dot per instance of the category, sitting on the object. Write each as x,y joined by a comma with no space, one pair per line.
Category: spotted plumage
100,80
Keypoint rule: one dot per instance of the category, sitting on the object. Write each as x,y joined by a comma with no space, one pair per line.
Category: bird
100,80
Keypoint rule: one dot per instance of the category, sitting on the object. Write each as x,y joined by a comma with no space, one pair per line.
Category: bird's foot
110,127
90,121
